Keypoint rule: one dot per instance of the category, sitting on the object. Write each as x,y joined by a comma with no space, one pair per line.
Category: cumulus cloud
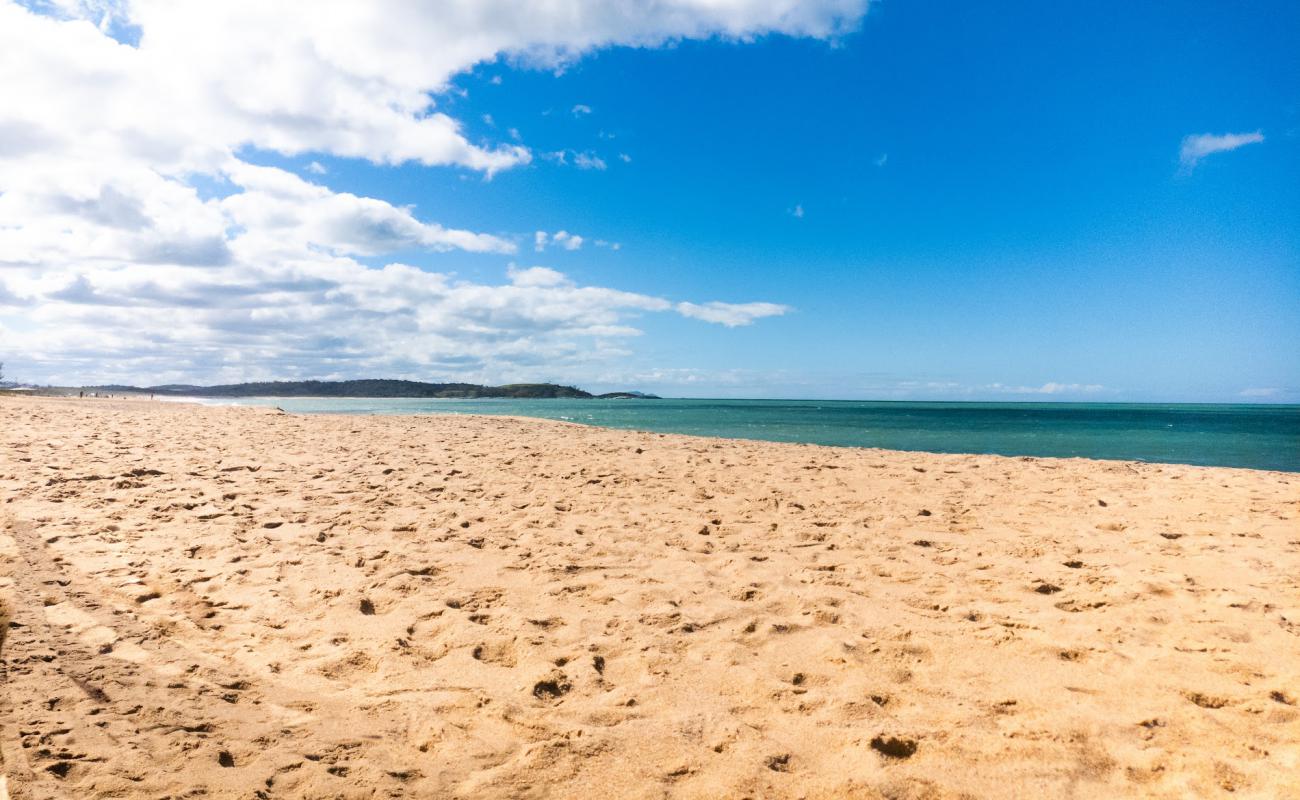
207,78
321,315
731,314
350,79
1201,145
279,211
8,298
142,241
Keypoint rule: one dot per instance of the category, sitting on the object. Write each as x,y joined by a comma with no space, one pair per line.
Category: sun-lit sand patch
238,601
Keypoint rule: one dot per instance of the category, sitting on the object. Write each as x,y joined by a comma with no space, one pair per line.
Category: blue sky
950,201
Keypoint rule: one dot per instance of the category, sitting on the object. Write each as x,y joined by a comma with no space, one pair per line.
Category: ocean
1252,436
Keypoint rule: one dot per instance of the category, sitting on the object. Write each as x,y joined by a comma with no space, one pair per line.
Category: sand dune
228,602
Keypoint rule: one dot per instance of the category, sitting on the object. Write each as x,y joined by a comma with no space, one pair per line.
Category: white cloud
569,241
797,211
1051,387
581,160
344,78
883,386
731,314
1260,392
1203,144
279,212
581,109
563,239
140,240
588,161
625,158
208,78
320,315
537,276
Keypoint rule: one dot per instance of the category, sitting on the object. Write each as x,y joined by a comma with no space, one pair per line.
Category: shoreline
234,403
33,390
237,599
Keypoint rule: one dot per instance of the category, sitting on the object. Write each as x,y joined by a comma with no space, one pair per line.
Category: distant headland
372,388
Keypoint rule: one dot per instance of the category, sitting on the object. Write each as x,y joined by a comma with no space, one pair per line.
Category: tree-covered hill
367,388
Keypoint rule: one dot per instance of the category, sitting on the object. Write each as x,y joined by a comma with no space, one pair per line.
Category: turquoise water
1256,436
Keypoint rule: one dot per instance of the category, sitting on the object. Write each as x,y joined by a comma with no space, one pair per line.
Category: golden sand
234,602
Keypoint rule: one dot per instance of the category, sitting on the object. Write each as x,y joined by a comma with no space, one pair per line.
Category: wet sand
235,602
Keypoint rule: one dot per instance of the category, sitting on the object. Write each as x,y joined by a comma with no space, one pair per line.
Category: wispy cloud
581,110
588,161
1200,145
732,315
797,211
1052,387
912,389
1260,392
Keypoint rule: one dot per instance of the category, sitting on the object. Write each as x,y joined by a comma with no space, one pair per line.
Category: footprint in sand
501,653
552,688
894,747
779,763
1205,700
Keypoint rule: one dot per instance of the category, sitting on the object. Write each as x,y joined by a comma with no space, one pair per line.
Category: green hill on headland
371,388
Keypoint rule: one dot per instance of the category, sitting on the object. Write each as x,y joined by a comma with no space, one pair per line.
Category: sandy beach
237,602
